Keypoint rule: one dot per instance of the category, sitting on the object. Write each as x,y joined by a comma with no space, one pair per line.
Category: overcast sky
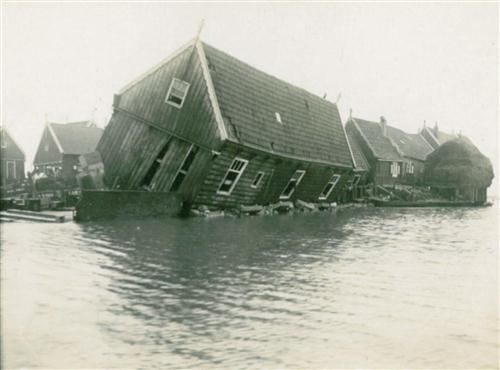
408,62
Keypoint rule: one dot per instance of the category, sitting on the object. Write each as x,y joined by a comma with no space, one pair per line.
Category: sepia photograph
249,185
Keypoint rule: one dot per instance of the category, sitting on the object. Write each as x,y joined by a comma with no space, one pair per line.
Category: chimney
435,130
383,125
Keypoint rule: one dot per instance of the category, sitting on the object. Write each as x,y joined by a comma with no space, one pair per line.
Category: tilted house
12,159
435,137
395,156
222,133
62,144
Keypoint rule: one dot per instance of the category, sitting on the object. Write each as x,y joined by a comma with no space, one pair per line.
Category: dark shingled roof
359,157
9,148
77,137
379,144
411,145
249,100
396,144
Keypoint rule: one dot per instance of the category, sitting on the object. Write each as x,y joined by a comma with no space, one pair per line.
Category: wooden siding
278,172
3,171
195,121
53,155
383,176
68,163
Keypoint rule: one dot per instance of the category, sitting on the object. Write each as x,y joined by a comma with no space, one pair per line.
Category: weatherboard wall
277,173
47,152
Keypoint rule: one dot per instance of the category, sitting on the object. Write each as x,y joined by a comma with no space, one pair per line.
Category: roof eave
291,157
211,91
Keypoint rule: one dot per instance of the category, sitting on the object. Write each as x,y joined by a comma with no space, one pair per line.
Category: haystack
458,164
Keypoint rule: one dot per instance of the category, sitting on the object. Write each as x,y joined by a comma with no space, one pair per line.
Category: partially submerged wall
109,204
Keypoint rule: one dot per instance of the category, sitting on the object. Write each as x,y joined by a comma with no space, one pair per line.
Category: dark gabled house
222,133
436,137
395,156
12,159
62,144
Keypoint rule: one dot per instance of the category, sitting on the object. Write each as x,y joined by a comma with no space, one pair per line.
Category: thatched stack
458,164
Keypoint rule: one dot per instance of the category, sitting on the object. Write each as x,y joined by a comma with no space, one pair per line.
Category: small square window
177,93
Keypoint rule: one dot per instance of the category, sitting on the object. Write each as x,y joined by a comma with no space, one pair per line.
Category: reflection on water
363,288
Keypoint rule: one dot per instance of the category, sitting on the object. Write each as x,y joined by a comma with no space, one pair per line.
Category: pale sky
409,62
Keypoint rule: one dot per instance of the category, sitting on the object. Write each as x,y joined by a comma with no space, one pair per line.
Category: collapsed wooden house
222,133
62,144
395,157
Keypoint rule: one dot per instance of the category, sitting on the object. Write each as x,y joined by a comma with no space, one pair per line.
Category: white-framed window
46,147
327,190
232,176
278,117
11,170
292,184
3,142
395,169
184,168
258,179
410,168
177,93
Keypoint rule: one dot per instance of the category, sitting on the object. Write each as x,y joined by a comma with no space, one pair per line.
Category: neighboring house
12,159
222,133
62,144
395,156
435,137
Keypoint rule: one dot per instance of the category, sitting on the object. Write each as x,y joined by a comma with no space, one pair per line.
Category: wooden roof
10,150
252,104
361,163
77,137
411,145
437,136
395,144
379,144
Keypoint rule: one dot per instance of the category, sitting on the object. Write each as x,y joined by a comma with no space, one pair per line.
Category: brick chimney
383,125
435,130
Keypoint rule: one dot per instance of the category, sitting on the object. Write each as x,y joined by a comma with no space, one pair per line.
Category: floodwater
369,288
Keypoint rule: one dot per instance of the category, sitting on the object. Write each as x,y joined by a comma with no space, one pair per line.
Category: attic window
46,147
232,176
177,93
278,117
4,144
292,184
329,187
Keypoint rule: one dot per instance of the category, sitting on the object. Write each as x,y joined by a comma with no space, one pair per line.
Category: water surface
360,288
